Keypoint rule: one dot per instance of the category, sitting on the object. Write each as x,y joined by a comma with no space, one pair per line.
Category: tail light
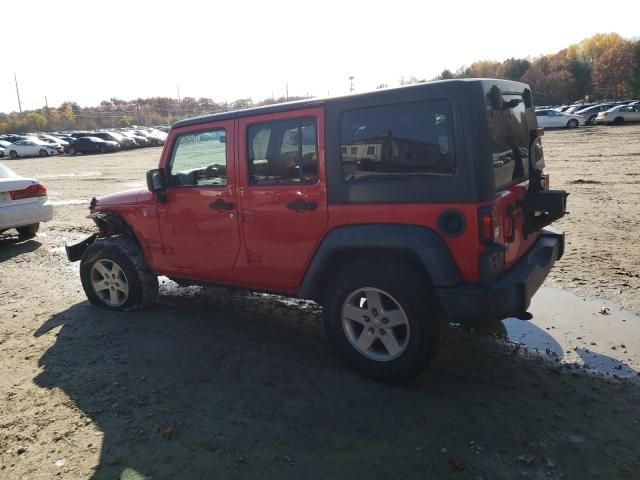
35,190
605,114
488,224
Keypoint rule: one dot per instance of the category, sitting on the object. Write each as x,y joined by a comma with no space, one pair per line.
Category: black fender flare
420,243
111,223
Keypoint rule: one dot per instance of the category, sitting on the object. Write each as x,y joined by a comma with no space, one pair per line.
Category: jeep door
198,221
283,194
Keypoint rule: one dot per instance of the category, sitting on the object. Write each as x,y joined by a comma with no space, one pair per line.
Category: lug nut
370,330
366,319
385,320
375,312
383,331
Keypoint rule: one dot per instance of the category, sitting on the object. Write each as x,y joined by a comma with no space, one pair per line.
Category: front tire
13,154
72,151
27,232
43,152
591,120
382,319
573,123
115,275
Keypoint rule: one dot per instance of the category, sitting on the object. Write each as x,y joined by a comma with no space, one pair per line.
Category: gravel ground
210,384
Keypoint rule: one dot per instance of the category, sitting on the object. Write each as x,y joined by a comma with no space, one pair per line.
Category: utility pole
286,90
351,83
17,91
46,107
139,120
179,100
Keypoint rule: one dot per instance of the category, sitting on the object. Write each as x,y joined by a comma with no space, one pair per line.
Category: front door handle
221,205
299,206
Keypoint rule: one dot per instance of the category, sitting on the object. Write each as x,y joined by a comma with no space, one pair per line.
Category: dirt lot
214,385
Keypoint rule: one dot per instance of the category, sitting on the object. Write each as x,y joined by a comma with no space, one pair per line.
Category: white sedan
23,203
620,114
30,147
548,118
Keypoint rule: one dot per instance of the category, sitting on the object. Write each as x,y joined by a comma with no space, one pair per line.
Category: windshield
509,142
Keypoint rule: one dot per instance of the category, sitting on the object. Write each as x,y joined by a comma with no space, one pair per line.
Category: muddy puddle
596,334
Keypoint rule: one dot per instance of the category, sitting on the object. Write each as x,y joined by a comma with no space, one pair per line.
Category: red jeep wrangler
395,210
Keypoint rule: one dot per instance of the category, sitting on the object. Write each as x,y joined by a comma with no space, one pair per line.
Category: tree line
604,66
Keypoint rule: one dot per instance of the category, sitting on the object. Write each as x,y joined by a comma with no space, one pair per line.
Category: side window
199,159
283,152
396,141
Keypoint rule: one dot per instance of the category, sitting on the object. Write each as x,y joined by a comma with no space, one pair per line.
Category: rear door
543,118
283,195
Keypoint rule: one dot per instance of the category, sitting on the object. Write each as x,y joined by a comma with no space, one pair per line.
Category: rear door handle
221,205
299,206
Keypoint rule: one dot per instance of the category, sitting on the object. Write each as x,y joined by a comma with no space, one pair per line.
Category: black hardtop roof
506,85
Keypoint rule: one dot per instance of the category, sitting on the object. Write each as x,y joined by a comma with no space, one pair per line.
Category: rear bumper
25,214
512,293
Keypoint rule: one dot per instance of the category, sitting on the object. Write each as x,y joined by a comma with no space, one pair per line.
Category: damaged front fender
76,249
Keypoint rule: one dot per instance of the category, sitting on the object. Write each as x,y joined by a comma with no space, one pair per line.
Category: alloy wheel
375,324
109,282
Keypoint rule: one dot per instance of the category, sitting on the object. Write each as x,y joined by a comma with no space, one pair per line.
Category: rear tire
103,149
72,151
618,121
25,233
115,275
395,337
573,123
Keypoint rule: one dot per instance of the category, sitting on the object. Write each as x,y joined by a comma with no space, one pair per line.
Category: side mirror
156,181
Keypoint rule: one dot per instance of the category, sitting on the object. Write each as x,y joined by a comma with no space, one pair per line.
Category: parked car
31,147
620,114
549,118
124,142
3,145
578,106
92,145
23,203
408,228
140,140
54,140
590,113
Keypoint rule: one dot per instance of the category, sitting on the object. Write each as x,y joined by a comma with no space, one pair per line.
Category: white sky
91,51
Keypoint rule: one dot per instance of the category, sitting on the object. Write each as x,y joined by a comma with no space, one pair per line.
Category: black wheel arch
412,244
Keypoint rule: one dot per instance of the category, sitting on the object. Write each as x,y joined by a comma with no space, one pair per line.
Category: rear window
510,142
398,141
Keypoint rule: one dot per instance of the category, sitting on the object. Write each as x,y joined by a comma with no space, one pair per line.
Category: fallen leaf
526,459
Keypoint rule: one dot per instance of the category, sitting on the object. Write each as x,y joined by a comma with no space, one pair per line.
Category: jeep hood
128,197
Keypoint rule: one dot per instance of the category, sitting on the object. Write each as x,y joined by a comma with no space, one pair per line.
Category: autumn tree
591,49
613,70
513,68
550,79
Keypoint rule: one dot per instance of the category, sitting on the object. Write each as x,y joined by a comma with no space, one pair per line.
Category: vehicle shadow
194,389
11,246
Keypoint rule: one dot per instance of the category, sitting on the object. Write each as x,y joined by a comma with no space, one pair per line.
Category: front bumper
76,249
511,295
